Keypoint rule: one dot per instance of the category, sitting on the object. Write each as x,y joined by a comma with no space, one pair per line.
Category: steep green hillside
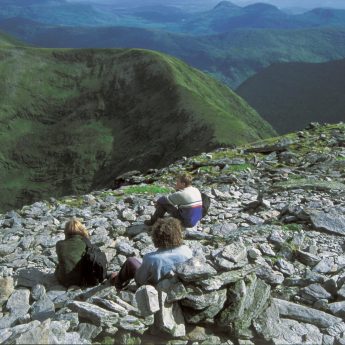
291,95
72,120
9,41
230,57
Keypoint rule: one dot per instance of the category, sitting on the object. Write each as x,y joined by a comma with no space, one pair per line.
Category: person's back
70,252
158,264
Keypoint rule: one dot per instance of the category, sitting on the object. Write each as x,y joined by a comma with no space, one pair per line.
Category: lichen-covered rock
170,317
194,269
147,300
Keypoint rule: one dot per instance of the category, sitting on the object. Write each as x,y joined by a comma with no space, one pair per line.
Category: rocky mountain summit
268,264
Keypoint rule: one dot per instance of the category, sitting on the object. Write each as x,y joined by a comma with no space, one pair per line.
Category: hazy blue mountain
230,57
223,17
291,95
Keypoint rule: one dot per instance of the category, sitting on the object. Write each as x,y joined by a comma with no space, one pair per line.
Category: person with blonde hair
185,204
70,251
167,236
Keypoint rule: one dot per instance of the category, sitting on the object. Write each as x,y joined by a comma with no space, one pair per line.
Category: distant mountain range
223,17
231,57
291,95
72,120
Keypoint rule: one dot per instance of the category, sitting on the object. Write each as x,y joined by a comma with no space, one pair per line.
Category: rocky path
268,265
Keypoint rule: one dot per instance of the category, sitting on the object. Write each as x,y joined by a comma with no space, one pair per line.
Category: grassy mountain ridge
291,95
230,57
72,120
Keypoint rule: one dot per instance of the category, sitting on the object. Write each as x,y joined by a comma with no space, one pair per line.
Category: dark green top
69,252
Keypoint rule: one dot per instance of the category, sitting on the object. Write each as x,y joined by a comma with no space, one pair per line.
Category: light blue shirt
158,264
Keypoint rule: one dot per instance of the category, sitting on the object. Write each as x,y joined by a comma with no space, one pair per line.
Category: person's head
75,227
183,181
167,233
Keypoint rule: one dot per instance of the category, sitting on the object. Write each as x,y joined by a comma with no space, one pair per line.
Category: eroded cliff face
268,264
72,120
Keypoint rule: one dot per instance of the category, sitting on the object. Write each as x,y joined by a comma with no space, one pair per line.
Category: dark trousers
163,208
127,272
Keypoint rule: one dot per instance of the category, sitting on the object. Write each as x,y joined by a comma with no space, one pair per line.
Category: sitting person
185,204
70,252
168,239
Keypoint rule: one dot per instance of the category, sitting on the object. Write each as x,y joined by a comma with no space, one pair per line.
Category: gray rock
335,330
29,277
307,258
285,267
88,331
293,332
198,300
6,289
315,292
6,249
235,252
194,269
326,265
35,335
248,300
147,300
341,291
93,313
135,230
223,230
337,308
267,324
18,303
332,221
253,253
132,324
38,292
42,309
266,249
8,335
110,305
305,314
124,248
170,317
129,215
196,316
269,276
65,314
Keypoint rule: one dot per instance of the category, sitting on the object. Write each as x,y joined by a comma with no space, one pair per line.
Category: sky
306,4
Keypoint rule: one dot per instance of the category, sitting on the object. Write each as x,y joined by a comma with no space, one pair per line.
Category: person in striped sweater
185,204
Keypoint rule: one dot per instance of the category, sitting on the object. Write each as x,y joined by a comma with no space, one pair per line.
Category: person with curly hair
70,252
185,204
167,237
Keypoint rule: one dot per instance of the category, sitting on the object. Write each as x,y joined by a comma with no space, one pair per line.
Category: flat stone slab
332,222
93,313
323,186
194,269
305,314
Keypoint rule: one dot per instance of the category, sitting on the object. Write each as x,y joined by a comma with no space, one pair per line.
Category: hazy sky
307,4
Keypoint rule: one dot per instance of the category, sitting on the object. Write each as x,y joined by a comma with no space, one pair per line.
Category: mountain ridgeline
230,57
73,120
290,95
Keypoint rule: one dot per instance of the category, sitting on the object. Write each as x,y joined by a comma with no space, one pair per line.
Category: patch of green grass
238,167
72,202
292,227
148,189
